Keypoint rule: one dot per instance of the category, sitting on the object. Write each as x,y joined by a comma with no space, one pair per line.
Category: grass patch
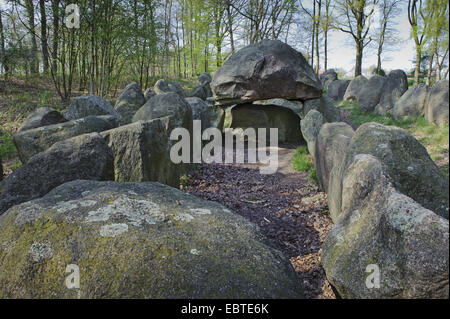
303,162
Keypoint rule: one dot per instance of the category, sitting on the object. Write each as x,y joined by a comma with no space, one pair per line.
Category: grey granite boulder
137,240
337,89
437,105
310,127
88,105
355,87
82,157
395,85
385,245
370,95
327,77
324,105
34,141
42,116
130,100
411,103
265,70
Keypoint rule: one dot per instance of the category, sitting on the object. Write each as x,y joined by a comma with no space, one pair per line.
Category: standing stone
161,87
149,93
130,100
327,77
310,127
438,106
81,157
84,106
204,78
166,104
34,141
1,171
137,240
42,116
355,87
385,237
395,86
268,69
200,111
324,105
407,162
176,88
337,89
370,95
200,92
141,153
412,103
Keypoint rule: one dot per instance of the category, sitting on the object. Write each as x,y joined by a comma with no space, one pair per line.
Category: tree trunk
418,61
55,9
359,56
230,26
34,68
44,35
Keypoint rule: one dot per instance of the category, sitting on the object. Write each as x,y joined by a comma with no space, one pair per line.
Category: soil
288,207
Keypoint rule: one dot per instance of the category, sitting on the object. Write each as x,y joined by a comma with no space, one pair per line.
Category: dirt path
288,207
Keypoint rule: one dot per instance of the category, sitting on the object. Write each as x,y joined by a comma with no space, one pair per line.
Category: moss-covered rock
42,116
383,230
136,240
83,106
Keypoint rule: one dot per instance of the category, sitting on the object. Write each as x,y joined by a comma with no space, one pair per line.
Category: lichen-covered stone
327,77
383,230
42,116
129,101
200,111
34,141
136,240
83,106
161,87
406,161
176,88
81,157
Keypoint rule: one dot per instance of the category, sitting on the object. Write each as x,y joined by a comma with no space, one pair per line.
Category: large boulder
395,86
130,100
369,97
1,171
268,116
141,153
148,94
337,89
200,111
204,78
412,103
34,141
310,127
386,245
161,87
217,117
166,104
327,77
330,149
324,105
81,157
200,92
438,106
407,162
176,88
137,240
355,87
268,69
83,106
293,105
42,116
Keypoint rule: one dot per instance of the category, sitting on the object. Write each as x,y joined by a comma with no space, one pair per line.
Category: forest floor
288,207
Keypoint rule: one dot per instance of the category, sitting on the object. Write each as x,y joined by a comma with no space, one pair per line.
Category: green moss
302,161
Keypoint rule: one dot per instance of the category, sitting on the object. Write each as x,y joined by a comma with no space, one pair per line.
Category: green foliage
184,180
6,145
302,160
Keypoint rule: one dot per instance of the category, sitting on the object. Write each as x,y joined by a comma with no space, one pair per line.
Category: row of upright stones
390,95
